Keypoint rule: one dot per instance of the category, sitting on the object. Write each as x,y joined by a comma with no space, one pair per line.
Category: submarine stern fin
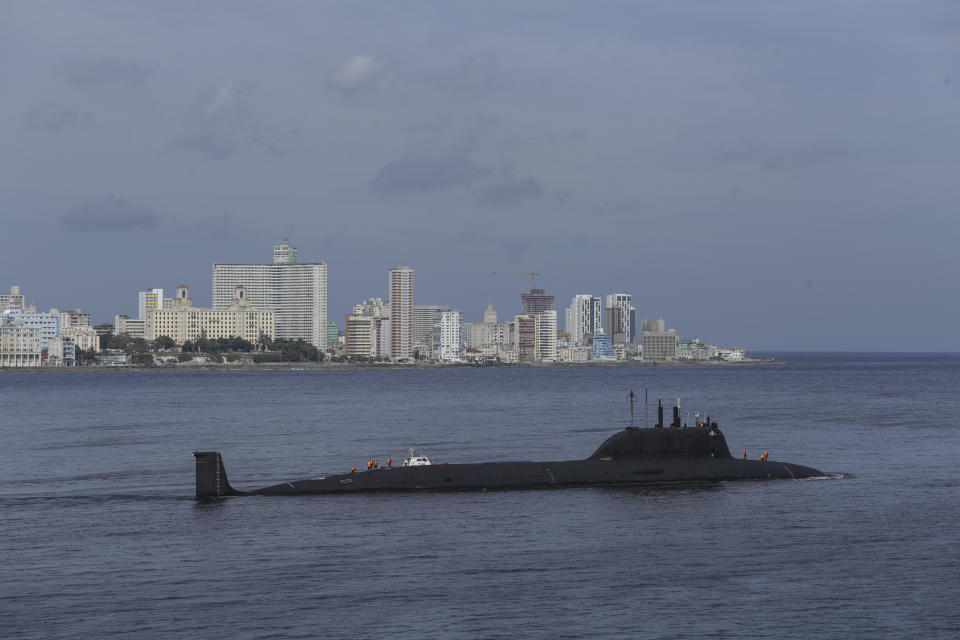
212,476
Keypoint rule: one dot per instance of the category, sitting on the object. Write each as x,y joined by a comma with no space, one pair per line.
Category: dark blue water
100,537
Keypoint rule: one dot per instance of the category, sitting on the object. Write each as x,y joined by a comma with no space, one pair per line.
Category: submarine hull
530,475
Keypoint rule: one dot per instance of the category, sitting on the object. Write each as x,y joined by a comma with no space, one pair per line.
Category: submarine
634,455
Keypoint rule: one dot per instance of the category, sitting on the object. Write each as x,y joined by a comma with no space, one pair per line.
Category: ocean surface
100,536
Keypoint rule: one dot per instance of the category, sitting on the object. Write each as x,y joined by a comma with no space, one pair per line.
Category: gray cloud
230,105
109,213
356,73
54,117
476,74
439,154
215,228
511,192
105,71
210,143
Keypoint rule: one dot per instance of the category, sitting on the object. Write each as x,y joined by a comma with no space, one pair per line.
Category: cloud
413,173
439,155
356,72
215,228
54,117
230,105
513,252
105,71
511,192
109,213
210,143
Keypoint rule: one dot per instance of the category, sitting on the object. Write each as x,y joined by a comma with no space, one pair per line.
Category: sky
773,175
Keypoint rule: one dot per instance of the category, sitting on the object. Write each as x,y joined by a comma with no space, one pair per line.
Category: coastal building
448,337
527,337
19,342
104,329
185,322
401,312
695,349
603,347
425,318
296,292
547,347
584,317
13,301
373,307
653,325
84,337
61,352
360,338
133,327
147,301
731,354
615,323
47,323
659,345
628,315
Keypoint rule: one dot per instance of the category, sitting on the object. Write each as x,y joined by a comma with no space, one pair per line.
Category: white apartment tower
296,292
584,316
449,336
401,312
548,336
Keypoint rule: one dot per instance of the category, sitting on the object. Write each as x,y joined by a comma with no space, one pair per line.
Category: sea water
100,536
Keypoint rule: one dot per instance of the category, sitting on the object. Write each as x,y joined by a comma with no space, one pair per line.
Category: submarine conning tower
703,441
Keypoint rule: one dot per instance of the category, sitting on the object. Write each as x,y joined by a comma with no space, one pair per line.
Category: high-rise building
547,349
425,318
296,292
652,325
133,327
622,301
401,312
333,331
360,339
584,317
613,320
75,318
448,336
537,301
373,307
526,337
148,301
490,314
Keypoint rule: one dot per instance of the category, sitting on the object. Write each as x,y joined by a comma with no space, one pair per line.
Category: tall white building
401,312
147,301
296,292
449,336
548,336
584,316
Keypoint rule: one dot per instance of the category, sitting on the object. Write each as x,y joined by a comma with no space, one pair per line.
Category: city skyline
769,181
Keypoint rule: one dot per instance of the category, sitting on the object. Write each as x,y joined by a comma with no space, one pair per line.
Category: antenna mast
631,408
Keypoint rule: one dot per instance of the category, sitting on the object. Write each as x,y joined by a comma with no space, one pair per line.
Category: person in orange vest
353,469
369,464
764,456
376,463
744,454
389,462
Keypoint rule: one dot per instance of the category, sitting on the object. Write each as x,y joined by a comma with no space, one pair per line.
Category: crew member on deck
369,464
764,456
353,469
744,454
389,462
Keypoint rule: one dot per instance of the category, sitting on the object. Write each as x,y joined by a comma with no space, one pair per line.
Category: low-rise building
61,352
695,349
732,354
48,323
659,345
85,338
182,321
133,327
603,347
19,343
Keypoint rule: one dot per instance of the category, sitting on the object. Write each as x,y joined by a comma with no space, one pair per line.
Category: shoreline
391,366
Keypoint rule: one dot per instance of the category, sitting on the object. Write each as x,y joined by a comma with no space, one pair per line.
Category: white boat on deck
414,459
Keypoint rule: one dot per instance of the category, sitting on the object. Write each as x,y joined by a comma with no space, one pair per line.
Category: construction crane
533,278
